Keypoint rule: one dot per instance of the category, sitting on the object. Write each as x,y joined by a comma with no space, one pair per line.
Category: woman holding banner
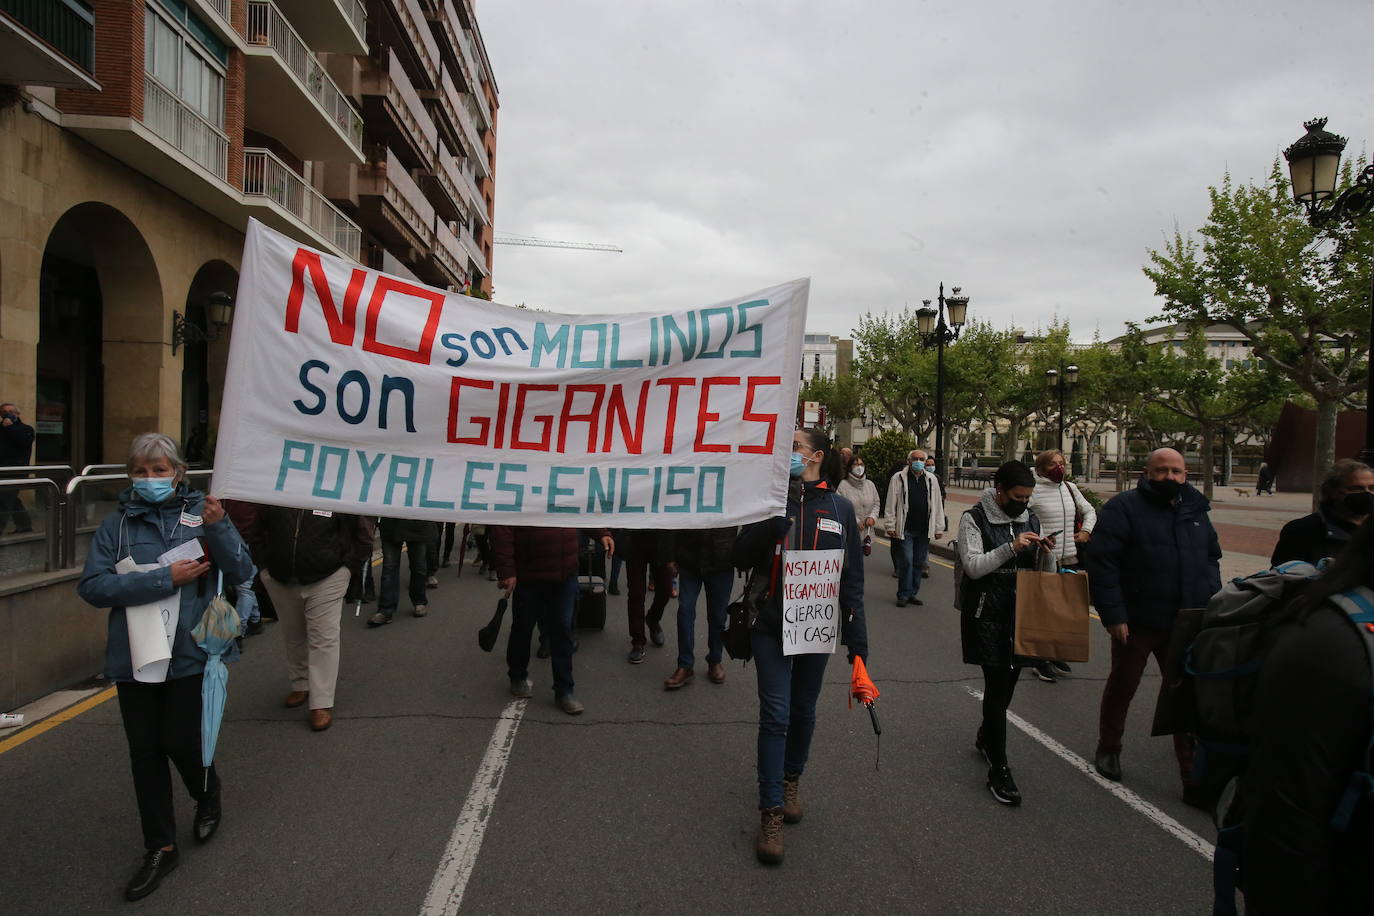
997,537
147,564
792,639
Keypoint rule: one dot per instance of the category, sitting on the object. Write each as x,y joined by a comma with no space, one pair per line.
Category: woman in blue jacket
162,717
817,519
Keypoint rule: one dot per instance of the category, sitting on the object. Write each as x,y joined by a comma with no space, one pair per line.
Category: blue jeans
550,605
717,586
389,591
788,688
911,562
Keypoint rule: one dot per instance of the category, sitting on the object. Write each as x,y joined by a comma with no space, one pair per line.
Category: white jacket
864,496
1055,505
895,519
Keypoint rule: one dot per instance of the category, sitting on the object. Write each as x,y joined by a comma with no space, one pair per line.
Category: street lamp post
1063,384
1313,167
936,333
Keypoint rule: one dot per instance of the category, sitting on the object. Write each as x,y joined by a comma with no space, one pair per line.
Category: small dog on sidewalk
1241,491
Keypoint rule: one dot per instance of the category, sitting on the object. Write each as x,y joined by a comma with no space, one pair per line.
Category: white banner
353,390
811,601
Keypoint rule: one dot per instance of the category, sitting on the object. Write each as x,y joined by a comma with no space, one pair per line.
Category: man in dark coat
417,536
1154,551
16,448
537,567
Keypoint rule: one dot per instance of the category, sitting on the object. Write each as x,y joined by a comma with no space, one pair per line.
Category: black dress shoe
156,864
1108,764
207,818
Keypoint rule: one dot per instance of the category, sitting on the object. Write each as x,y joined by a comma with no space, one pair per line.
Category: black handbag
739,620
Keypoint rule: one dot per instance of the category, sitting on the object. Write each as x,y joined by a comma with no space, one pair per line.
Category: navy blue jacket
807,504
1148,558
145,531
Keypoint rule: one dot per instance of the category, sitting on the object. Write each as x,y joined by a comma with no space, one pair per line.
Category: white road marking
460,855
1162,820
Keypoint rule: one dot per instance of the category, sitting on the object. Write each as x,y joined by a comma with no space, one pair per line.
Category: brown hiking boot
791,800
768,845
680,677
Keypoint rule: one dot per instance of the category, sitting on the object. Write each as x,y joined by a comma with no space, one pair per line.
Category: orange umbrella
861,688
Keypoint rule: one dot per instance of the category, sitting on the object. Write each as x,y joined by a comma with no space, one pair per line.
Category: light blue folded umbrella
215,634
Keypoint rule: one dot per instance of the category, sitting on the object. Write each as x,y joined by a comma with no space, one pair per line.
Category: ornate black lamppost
1313,167
936,333
1063,384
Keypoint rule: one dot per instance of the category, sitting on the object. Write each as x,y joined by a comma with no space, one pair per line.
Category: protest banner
353,390
811,601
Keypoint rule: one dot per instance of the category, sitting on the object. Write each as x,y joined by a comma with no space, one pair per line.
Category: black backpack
1222,667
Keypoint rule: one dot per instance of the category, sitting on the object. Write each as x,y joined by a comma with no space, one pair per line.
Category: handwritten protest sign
353,390
811,601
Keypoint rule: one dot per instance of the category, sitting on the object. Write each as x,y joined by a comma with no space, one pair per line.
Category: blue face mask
798,464
154,489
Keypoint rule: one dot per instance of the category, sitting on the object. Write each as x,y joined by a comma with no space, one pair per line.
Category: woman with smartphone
997,537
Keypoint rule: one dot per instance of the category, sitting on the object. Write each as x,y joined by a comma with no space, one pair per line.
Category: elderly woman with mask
863,493
160,703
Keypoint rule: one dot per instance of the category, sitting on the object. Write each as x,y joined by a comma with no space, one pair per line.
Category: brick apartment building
137,137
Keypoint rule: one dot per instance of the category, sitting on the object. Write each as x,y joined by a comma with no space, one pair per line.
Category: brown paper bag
1052,615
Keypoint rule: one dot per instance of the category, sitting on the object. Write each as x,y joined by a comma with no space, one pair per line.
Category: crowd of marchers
1149,553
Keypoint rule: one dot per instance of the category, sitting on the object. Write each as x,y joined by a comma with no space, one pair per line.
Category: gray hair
155,445
1334,481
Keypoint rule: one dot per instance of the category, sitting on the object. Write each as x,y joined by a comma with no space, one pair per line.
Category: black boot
156,864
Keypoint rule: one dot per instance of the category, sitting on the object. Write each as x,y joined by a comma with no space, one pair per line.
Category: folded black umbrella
486,637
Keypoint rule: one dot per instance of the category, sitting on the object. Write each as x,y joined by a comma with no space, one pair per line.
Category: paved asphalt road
646,803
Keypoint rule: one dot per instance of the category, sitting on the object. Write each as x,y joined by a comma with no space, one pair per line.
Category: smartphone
1046,537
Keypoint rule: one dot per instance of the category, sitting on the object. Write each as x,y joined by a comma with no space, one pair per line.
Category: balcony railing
448,251
411,110
416,26
474,74
474,250
264,175
469,184
357,14
67,25
268,28
177,123
221,7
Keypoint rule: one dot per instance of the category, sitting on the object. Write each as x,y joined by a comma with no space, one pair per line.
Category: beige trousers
309,617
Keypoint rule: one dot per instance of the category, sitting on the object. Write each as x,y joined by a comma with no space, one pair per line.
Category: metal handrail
69,506
54,557
100,469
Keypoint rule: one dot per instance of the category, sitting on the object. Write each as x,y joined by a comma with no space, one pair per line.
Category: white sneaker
11,719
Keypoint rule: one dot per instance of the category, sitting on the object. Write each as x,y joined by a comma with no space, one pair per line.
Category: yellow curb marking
66,715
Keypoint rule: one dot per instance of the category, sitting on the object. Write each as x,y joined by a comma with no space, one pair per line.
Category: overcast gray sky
1030,152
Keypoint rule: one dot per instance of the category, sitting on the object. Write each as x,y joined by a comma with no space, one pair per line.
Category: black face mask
1358,504
1166,489
1014,507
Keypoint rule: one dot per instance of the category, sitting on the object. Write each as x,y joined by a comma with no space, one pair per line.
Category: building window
183,66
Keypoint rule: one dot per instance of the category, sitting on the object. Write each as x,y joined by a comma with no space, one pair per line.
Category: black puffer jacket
306,546
704,550
1148,558
807,505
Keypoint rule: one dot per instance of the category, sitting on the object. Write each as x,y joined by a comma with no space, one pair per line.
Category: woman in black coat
1347,497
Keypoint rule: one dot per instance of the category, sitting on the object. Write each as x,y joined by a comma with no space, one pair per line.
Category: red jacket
538,554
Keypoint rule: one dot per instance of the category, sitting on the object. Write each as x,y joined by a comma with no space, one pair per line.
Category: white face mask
857,471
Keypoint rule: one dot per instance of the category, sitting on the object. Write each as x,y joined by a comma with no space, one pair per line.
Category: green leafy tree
895,370
1301,305
842,397
1198,388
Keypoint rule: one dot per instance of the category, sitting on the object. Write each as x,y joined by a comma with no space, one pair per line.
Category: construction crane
550,243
